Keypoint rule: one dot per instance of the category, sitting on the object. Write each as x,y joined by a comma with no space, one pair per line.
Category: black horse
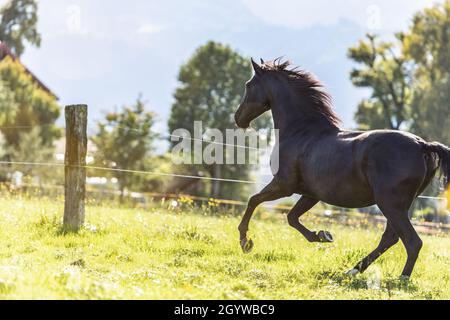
322,162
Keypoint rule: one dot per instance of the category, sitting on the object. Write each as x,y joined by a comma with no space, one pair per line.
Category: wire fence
342,216
157,135
154,173
164,174
169,136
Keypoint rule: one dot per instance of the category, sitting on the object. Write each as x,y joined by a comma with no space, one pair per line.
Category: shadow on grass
48,224
399,284
341,279
192,233
274,256
390,285
62,230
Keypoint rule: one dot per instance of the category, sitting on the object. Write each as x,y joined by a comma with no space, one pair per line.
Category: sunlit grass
193,253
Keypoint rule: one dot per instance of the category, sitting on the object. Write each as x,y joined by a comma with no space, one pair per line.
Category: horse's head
255,101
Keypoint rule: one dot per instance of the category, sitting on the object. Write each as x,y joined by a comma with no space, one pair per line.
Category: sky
105,53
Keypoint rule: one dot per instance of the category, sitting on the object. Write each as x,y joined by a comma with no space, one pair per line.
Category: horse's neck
283,113
290,118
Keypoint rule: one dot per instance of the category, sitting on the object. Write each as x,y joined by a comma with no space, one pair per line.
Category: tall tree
385,70
26,104
211,84
125,141
18,25
27,120
427,44
409,78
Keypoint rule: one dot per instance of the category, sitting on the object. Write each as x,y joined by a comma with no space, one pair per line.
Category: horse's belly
351,203
337,176
348,194
353,199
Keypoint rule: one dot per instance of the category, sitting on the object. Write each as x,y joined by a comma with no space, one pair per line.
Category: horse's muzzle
238,119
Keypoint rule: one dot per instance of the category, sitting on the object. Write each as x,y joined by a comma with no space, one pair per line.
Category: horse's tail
442,154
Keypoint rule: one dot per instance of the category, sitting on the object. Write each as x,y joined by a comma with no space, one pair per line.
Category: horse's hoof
352,272
247,245
325,236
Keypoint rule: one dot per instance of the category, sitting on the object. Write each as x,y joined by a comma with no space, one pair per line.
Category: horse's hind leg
272,191
302,206
388,239
395,207
411,240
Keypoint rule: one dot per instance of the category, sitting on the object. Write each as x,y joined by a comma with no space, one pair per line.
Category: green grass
191,253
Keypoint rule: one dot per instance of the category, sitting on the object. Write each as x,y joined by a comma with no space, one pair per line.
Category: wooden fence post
75,162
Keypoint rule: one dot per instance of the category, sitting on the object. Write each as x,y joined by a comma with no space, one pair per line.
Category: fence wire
169,135
52,164
159,136
338,214
155,173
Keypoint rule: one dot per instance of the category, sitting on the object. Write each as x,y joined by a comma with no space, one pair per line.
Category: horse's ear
262,61
256,67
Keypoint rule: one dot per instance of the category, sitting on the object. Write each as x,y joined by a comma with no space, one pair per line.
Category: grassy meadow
187,252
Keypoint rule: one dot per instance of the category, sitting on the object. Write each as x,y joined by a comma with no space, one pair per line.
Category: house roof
5,51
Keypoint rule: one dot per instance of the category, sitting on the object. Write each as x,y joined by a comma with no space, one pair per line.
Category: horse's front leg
303,205
271,192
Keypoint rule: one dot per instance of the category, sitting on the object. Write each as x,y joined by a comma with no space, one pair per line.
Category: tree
211,84
25,104
385,70
409,78
27,120
31,148
427,44
124,141
18,24
8,106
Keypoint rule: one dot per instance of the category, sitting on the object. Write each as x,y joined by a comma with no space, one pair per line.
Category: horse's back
389,148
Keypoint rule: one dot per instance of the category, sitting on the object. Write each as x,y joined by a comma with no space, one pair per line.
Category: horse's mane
307,86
